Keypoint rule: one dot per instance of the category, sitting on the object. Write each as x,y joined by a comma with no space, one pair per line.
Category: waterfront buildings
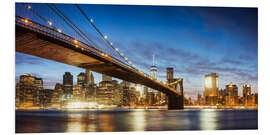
247,94
28,91
81,79
89,77
211,89
56,97
232,96
67,86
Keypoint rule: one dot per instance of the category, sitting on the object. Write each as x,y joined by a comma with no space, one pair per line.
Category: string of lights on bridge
91,21
105,37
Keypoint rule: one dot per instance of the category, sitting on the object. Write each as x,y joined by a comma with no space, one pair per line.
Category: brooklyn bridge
45,40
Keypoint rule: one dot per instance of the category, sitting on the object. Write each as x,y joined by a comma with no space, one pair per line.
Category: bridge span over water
38,40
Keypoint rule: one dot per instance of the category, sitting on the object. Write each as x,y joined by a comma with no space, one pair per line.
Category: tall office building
246,94
56,97
89,77
81,79
28,91
106,92
170,75
211,89
106,78
39,88
67,85
153,69
153,72
140,89
232,97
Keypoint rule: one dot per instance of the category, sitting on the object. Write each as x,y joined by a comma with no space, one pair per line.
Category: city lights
208,82
26,20
71,77
75,41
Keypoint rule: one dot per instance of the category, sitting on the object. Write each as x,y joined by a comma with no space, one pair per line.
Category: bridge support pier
175,102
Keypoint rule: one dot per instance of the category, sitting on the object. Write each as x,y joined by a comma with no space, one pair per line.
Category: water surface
134,120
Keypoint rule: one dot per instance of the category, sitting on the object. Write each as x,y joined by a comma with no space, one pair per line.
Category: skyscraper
67,85
246,94
39,87
28,91
81,79
56,97
153,72
89,77
232,98
211,88
170,75
153,69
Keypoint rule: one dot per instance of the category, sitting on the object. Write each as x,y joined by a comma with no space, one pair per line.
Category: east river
134,120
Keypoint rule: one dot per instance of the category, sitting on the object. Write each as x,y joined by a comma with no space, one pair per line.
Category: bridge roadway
38,40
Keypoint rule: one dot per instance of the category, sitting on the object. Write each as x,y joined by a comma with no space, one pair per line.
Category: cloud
21,59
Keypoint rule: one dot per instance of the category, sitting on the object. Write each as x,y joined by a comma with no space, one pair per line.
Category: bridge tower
175,101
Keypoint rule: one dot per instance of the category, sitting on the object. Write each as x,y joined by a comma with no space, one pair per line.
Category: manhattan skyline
194,40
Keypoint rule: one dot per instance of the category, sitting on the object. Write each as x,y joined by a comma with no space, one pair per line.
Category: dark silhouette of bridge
45,42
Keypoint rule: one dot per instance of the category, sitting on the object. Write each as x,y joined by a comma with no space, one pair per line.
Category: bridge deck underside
36,44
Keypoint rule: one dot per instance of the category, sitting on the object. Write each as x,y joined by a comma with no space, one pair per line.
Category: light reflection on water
208,119
134,120
138,121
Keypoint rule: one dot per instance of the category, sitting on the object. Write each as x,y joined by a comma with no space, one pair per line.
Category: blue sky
194,40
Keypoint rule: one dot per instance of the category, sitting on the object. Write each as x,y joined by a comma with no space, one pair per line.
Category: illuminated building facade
56,96
78,93
199,99
28,91
67,85
211,89
153,71
232,97
46,98
222,94
125,98
89,77
246,94
81,79
105,92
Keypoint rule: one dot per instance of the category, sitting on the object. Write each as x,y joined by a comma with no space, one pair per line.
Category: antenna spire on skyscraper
153,59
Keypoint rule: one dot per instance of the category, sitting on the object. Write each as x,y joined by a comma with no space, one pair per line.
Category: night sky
194,40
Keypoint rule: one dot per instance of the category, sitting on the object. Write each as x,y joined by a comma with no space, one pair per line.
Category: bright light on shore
81,105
